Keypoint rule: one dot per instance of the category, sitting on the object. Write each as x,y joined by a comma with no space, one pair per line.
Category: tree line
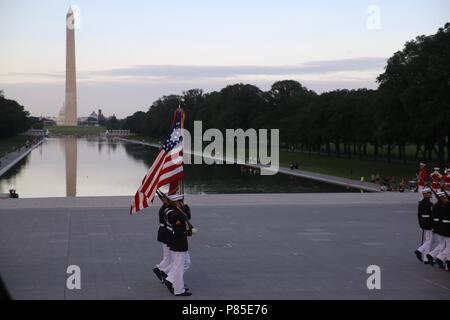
14,119
410,108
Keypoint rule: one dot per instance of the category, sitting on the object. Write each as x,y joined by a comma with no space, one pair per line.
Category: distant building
91,120
82,121
48,122
101,118
61,118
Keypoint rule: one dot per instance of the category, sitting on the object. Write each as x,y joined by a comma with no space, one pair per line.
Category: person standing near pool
425,218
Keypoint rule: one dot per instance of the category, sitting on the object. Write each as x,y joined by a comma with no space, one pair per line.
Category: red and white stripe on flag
166,169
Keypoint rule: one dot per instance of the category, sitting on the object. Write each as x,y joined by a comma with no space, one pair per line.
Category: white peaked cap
441,193
436,168
176,197
426,190
422,164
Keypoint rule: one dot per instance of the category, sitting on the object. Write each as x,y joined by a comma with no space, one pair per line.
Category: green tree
112,123
416,86
13,117
136,123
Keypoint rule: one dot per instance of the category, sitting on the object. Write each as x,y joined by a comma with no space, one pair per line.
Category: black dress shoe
169,286
430,260
184,294
158,273
440,263
418,255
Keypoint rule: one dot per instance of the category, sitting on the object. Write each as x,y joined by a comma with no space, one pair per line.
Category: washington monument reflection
71,166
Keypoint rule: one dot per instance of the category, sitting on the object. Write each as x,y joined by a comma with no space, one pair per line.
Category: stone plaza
266,246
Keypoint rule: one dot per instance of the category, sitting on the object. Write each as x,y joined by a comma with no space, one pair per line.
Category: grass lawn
62,130
348,168
11,143
410,152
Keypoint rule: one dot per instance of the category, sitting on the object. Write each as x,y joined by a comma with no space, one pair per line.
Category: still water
62,167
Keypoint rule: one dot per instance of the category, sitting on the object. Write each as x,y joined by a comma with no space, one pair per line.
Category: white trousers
444,255
166,261
419,190
426,246
180,263
187,261
439,247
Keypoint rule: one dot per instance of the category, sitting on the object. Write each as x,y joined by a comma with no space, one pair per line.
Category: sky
130,53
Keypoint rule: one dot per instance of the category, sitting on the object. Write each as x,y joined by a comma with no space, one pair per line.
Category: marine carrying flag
167,167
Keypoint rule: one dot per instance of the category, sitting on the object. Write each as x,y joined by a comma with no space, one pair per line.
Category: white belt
161,224
446,221
436,219
425,216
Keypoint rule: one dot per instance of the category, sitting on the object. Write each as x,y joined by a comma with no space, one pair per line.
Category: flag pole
146,192
181,185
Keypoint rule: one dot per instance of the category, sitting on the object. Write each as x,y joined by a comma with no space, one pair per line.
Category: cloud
125,90
33,74
215,72
192,73
124,98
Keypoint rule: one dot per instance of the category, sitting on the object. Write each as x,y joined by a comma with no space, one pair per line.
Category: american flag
167,167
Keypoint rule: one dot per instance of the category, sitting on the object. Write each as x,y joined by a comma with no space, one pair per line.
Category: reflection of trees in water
141,153
91,142
71,152
7,180
15,170
112,145
96,142
231,178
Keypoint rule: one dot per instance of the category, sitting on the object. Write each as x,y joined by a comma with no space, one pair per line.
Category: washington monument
70,112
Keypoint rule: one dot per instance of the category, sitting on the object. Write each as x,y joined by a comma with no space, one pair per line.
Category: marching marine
436,178
446,179
425,211
438,213
165,234
443,258
422,177
178,219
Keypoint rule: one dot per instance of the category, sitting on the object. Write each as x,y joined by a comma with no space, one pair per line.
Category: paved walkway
349,183
8,161
271,246
230,200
